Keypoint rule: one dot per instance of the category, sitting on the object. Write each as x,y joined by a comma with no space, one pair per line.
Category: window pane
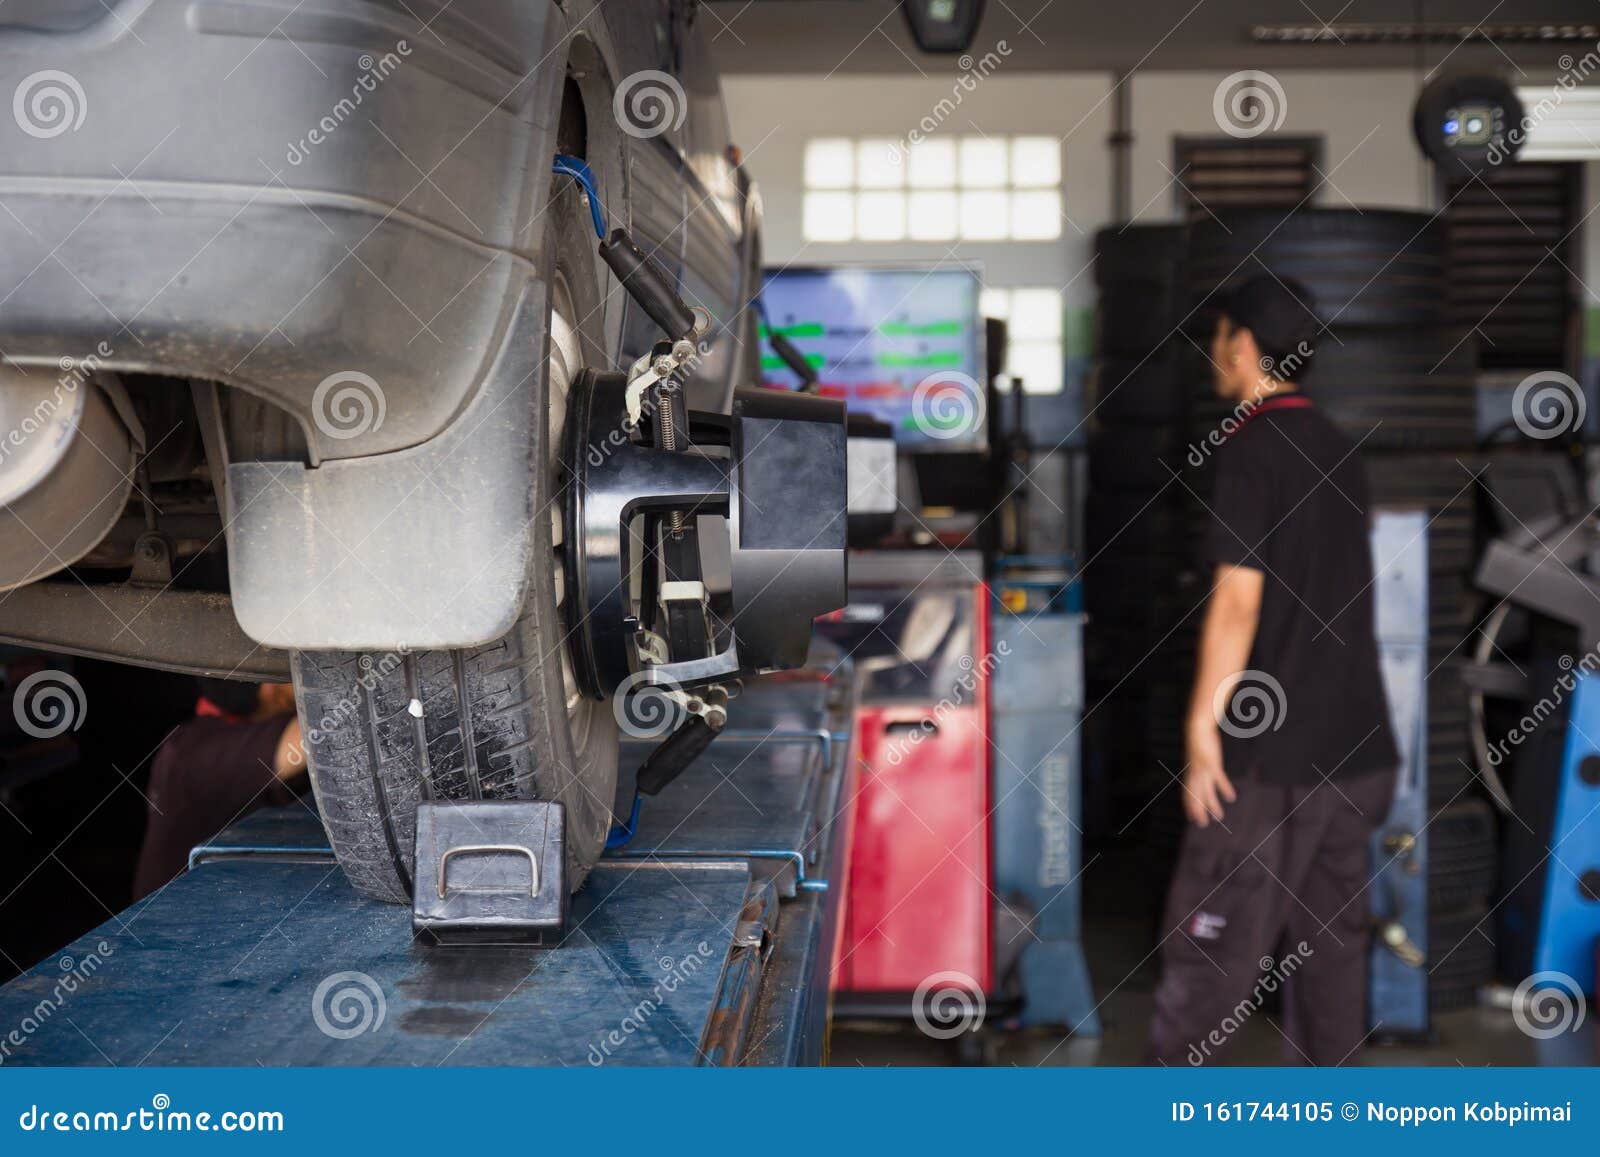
1036,314
1035,216
933,165
985,216
1038,364
994,303
881,216
830,163
933,217
878,164
828,217
1036,162
983,163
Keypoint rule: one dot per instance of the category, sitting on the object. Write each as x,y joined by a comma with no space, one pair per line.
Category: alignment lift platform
707,939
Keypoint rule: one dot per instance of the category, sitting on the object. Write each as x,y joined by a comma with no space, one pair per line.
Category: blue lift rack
707,939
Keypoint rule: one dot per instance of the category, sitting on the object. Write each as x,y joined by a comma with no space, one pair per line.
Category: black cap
1281,314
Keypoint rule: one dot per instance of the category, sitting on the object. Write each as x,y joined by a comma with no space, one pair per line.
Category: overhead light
943,25
1468,124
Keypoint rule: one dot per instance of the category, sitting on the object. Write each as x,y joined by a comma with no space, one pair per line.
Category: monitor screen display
904,345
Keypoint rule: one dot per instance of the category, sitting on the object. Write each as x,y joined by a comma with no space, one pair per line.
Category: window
1034,349
948,189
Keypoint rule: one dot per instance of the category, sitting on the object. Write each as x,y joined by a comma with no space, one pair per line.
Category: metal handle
464,849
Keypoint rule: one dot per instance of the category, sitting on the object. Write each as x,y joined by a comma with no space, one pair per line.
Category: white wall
1364,119
774,116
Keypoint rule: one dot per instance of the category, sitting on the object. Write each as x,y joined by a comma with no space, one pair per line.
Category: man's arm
1226,637
289,759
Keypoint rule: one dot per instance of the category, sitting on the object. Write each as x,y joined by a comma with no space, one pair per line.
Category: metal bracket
152,560
498,871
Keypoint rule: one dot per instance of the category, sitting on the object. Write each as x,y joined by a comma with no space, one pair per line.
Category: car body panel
297,200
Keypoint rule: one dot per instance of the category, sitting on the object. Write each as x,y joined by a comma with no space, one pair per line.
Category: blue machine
1550,913
1561,934
1037,703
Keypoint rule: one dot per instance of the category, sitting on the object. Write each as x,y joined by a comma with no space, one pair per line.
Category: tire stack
1398,377
1137,579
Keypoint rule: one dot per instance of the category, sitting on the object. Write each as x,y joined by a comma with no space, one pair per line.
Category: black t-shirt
1291,501
210,772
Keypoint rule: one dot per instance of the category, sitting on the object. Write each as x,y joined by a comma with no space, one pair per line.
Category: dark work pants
1289,865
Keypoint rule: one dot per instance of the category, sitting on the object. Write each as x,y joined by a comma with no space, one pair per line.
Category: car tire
504,721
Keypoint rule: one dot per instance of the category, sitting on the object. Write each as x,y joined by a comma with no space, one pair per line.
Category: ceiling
870,36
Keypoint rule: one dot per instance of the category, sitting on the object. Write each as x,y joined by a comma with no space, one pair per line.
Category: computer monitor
903,344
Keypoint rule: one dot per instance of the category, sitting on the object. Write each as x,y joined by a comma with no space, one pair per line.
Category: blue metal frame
729,868
1398,892
1570,923
1036,704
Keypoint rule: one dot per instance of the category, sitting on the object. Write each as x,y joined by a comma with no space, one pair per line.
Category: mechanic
241,751
1290,756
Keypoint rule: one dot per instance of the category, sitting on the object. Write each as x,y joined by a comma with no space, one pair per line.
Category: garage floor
1467,1037
1125,975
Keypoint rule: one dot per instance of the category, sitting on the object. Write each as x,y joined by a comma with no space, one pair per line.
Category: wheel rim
565,363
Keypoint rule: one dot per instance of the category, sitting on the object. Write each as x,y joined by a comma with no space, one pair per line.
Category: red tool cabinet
918,898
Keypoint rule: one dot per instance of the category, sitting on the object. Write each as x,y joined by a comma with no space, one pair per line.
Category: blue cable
622,834
761,315
578,169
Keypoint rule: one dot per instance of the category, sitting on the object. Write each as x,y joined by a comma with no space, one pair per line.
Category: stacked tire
1138,580
1398,377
